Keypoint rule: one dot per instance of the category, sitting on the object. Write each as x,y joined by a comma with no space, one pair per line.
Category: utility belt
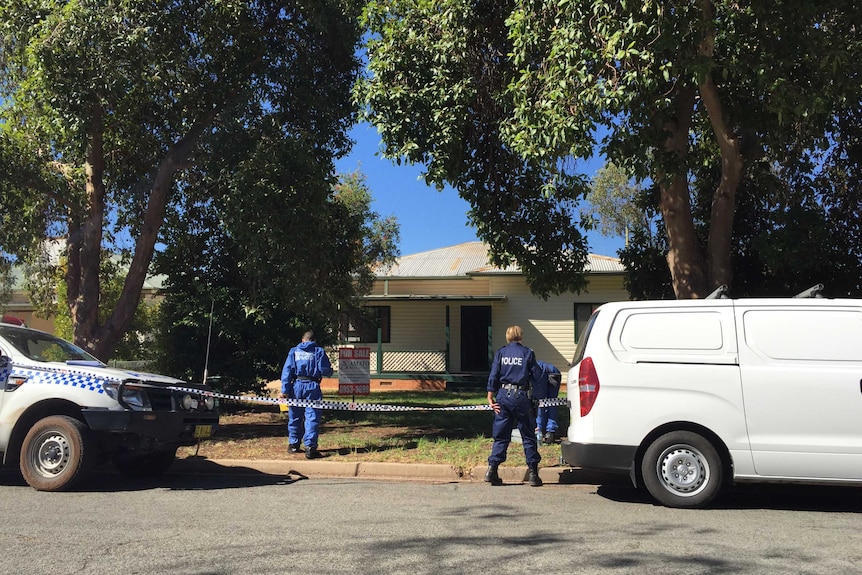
512,388
309,379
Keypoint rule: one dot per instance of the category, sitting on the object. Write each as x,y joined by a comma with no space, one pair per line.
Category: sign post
354,371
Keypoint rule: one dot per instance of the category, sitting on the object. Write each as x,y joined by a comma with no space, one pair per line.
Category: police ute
63,412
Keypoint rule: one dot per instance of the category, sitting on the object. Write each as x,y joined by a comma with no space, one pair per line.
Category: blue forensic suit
306,365
547,386
513,369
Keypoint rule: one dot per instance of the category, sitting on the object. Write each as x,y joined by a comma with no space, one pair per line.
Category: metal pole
209,338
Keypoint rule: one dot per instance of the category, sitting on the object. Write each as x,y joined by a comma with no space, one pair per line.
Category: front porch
411,370
416,382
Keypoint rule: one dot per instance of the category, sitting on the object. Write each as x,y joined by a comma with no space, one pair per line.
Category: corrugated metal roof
471,258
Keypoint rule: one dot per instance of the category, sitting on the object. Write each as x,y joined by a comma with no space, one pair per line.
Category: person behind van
305,366
547,387
513,369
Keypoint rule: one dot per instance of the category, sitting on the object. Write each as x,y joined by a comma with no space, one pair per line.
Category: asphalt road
237,524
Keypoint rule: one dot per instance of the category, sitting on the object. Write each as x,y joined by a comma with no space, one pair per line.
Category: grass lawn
458,438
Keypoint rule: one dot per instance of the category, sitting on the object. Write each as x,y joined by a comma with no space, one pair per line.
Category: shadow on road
204,475
777,497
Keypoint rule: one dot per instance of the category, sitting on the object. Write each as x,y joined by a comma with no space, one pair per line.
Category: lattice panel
405,361
411,361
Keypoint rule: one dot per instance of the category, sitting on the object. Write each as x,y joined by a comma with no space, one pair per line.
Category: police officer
305,366
547,387
513,369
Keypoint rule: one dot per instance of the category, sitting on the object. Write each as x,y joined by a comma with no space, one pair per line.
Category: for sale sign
354,371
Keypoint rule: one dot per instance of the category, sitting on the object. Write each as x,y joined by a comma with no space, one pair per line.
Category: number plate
203,430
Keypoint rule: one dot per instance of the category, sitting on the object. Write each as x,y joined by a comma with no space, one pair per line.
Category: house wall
417,325
549,325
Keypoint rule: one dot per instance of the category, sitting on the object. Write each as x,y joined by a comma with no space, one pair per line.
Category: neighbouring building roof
471,258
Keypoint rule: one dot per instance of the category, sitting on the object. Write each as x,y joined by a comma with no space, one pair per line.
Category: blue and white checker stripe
58,376
352,405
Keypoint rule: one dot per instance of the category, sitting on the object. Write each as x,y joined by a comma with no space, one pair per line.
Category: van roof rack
813,291
718,293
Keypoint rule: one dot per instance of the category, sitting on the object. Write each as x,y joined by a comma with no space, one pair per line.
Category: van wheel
682,469
57,453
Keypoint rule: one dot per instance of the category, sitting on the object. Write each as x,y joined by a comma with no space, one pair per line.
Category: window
363,329
583,311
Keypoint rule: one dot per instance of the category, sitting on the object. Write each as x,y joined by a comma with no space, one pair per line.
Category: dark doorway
475,327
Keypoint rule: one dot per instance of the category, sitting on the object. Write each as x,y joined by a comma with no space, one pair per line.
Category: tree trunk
724,199
108,336
85,246
732,164
684,257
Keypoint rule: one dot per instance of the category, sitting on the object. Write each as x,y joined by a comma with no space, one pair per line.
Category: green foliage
437,91
292,267
790,233
113,110
501,99
613,203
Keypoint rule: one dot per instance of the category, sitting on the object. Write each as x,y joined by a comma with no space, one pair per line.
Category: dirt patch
255,435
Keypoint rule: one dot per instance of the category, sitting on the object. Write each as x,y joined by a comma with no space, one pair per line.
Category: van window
698,330
805,335
582,343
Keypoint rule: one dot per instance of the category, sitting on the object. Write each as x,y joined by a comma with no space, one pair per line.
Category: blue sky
429,219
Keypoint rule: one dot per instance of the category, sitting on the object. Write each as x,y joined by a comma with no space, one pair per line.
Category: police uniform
547,387
513,369
305,366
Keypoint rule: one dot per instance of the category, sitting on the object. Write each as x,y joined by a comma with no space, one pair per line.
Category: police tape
352,405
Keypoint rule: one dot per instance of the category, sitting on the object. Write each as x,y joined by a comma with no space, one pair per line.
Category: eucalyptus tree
111,107
436,90
241,290
661,89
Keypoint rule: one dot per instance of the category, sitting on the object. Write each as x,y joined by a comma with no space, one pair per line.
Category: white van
686,396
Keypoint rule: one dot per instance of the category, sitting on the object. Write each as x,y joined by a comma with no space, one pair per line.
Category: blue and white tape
90,382
354,406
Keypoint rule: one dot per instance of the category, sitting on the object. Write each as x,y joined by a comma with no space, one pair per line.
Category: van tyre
57,453
682,469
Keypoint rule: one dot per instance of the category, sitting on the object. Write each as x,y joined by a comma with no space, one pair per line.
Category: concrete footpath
381,470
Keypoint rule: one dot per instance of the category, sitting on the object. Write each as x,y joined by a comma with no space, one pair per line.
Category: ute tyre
150,464
57,453
682,469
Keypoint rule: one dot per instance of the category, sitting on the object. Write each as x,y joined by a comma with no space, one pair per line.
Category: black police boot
550,438
533,477
492,477
311,453
294,448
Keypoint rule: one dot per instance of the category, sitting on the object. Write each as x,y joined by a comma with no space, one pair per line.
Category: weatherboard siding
549,325
450,287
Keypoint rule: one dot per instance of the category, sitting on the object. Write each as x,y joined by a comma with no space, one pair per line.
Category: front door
475,337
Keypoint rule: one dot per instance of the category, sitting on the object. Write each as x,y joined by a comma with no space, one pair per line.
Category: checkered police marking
58,376
352,405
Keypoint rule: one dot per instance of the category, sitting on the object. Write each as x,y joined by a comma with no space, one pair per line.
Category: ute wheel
57,453
145,465
682,469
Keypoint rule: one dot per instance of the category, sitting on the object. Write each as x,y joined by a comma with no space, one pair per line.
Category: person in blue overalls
547,387
513,369
306,365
